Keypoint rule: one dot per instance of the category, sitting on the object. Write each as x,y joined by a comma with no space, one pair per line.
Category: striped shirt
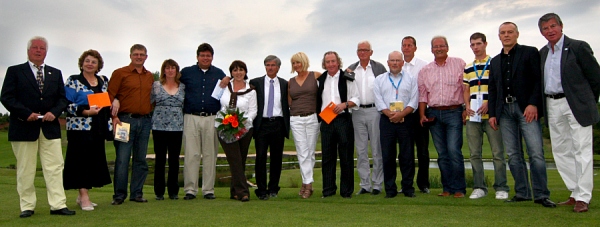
442,85
476,85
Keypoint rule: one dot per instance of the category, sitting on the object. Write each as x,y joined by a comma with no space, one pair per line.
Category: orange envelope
328,114
99,99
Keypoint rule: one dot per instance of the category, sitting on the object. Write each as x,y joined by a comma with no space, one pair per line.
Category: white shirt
364,80
35,70
385,93
552,81
414,66
332,94
277,109
246,103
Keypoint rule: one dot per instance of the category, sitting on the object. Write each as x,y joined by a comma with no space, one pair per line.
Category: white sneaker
501,195
477,193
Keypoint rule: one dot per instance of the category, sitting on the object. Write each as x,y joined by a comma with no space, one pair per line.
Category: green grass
290,210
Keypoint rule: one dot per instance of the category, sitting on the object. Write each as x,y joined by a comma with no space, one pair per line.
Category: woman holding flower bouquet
234,127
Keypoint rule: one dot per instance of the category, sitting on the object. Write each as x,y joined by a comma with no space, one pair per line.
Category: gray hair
365,42
273,58
439,37
547,17
37,38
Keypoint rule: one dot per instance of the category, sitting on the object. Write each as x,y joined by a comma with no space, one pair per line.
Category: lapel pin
49,73
566,48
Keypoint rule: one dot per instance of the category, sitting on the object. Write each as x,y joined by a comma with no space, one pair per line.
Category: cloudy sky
251,30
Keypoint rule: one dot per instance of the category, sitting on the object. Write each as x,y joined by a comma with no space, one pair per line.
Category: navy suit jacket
259,86
580,79
526,81
22,97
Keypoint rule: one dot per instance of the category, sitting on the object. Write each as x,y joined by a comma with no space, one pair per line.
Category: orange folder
328,114
99,99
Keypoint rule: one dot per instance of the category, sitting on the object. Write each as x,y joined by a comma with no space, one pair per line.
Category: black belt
303,115
131,115
202,114
556,96
271,118
368,105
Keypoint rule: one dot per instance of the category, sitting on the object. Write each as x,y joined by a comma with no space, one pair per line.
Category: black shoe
263,197
160,197
326,196
362,191
375,192
425,190
245,199
210,196
139,200
273,194
410,194
545,202
26,213
173,197
117,202
389,196
189,197
349,196
516,199
63,211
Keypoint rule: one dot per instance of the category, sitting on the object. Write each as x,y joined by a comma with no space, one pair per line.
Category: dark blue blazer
22,97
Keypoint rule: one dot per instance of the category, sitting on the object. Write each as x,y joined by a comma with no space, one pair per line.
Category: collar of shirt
268,79
277,109
558,45
35,70
335,76
484,60
132,69
442,65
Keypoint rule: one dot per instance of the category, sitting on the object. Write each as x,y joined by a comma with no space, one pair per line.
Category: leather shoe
263,197
139,200
173,197
210,196
26,213
389,196
63,211
117,202
459,195
189,197
410,194
245,198
375,192
347,196
516,199
444,194
545,202
425,190
273,194
569,202
160,198
362,191
580,206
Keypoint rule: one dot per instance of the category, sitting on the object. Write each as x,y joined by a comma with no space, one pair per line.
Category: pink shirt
442,85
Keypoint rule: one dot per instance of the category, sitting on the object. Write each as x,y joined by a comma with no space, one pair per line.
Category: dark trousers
236,153
421,136
270,136
338,138
390,135
166,142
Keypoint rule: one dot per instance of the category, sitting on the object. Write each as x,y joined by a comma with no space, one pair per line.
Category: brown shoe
459,195
580,207
569,202
444,194
302,190
308,191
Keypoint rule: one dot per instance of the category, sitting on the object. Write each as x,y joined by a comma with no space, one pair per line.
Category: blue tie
271,99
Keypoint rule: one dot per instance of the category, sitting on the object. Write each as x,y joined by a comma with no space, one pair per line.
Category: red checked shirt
442,85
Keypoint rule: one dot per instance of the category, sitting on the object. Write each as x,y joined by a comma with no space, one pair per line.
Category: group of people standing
372,106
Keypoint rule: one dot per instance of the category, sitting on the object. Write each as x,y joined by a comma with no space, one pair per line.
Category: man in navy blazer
515,103
571,78
271,127
34,94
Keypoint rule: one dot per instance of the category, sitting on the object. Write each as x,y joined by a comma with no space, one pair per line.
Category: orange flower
234,124
226,120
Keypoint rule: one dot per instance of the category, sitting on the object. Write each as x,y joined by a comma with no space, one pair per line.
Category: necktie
40,77
271,99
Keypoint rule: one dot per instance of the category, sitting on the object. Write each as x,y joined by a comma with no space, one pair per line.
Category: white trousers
305,131
366,128
52,166
572,149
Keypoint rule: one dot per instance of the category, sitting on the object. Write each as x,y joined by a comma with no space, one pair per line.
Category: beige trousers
200,144
52,166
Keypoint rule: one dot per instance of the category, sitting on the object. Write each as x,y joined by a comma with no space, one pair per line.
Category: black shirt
507,63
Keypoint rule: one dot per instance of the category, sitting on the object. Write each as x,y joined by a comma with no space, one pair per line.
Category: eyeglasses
363,50
138,55
439,47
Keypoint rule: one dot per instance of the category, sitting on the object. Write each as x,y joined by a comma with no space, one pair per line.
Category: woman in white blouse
237,151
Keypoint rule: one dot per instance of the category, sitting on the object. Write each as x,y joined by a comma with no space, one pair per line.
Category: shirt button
41,98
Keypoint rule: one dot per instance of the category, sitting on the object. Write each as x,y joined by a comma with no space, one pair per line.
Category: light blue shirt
385,93
552,79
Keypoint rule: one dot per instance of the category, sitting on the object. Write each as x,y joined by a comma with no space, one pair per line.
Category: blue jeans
512,123
137,148
447,135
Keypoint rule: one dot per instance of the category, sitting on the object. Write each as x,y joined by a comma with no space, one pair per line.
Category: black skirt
85,162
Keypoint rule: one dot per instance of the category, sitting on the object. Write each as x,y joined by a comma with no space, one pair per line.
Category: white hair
37,38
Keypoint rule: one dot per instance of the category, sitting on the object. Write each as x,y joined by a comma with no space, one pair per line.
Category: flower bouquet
233,125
